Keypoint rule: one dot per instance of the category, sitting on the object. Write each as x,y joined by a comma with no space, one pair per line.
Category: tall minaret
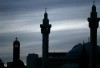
16,51
93,25
45,30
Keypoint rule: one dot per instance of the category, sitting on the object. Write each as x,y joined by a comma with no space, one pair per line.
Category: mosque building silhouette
85,55
82,55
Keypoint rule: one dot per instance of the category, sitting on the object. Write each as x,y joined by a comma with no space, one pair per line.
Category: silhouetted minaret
45,30
93,24
16,51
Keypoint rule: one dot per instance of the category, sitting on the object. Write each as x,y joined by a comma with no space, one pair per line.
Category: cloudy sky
22,19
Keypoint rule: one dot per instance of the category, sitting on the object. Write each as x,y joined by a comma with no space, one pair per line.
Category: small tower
16,51
93,25
45,30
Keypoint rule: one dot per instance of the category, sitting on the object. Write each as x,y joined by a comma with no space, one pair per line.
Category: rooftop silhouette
82,55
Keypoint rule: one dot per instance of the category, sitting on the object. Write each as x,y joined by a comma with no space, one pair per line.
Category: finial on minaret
16,38
45,10
45,14
93,2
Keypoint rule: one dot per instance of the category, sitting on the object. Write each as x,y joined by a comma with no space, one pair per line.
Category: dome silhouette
75,52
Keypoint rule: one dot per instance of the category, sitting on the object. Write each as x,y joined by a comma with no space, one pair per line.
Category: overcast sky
22,19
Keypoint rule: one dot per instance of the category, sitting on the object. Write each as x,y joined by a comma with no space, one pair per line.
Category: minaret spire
93,25
45,30
93,2
93,12
45,10
45,20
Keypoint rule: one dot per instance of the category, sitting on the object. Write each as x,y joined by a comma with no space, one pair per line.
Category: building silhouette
45,30
93,25
84,59
16,63
86,55
9,64
16,51
31,60
81,55
1,64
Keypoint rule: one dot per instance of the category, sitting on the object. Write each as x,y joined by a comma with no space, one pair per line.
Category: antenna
45,10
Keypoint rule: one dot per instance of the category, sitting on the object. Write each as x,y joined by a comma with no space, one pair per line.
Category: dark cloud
35,5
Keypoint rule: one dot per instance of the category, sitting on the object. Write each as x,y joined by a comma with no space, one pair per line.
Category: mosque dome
76,52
